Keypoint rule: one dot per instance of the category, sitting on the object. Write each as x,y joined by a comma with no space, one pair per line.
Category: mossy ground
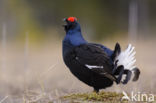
101,97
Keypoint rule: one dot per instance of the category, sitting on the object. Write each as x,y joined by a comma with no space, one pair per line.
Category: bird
95,64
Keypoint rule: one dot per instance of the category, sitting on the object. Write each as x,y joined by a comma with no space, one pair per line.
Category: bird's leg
128,76
96,90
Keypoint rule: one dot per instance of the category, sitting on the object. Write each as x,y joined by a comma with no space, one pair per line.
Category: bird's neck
71,40
74,38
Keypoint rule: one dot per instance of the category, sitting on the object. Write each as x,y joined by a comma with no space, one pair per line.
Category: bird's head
71,24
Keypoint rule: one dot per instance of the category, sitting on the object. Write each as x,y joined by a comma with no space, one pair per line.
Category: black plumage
93,64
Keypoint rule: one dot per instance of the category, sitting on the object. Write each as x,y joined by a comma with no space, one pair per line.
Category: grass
40,79
104,97
92,97
101,97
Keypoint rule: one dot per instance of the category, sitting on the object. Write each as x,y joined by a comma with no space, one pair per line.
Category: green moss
104,97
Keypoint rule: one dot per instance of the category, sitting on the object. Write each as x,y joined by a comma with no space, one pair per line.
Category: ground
37,73
90,97
101,97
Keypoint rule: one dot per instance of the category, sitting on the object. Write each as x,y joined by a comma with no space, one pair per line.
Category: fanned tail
126,59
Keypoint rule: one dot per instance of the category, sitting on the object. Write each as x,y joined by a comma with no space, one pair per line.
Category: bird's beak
65,20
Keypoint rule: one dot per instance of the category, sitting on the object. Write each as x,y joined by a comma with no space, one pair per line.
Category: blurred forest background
102,18
31,36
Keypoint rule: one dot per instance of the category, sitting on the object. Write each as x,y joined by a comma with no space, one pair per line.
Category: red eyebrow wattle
71,19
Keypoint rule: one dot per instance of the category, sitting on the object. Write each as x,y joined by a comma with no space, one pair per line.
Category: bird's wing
94,58
108,51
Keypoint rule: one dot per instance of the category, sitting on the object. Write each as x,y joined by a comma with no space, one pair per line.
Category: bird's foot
96,90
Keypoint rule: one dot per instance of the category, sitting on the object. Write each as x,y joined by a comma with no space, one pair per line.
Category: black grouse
95,64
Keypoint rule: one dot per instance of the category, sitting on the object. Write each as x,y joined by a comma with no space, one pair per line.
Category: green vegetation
104,97
99,19
101,97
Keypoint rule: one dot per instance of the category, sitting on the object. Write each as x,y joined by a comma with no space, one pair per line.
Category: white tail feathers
127,58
